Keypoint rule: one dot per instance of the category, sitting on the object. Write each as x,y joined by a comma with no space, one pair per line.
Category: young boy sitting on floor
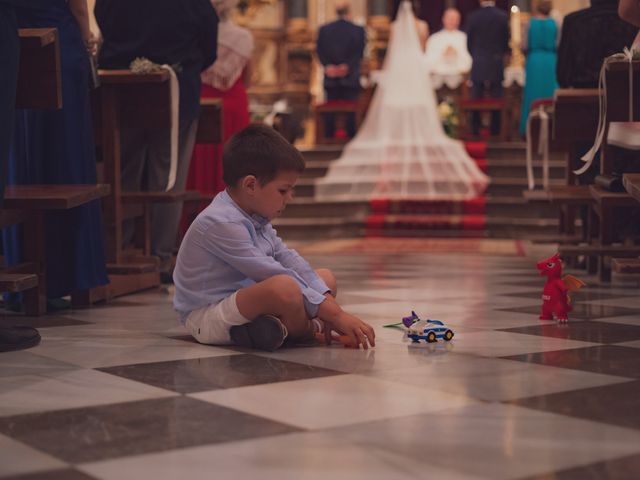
236,282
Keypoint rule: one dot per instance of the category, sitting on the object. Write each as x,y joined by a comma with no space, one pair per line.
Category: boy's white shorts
211,324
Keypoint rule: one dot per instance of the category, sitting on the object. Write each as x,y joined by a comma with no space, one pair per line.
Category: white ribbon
175,123
602,122
543,147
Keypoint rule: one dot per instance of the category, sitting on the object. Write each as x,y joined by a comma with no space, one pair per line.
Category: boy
236,281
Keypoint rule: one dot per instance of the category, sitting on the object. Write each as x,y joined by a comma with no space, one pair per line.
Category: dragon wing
572,283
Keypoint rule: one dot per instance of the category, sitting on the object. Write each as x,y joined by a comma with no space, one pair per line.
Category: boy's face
270,199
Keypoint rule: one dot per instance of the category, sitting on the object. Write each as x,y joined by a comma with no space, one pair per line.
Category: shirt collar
257,220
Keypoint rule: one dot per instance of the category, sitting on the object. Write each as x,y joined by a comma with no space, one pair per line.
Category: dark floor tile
615,404
134,428
586,331
66,474
581,311
211,373
607,359
44,321
619,468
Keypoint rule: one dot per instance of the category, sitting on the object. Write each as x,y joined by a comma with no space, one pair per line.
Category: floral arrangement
143,65
448,111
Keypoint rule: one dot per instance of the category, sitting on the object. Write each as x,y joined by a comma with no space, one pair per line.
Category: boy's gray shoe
264,333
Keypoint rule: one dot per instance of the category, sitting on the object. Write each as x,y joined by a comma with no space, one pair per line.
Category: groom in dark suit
340,49
488,44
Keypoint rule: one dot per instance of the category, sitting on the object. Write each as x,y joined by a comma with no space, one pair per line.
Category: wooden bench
575,122
28,205
39,87
125,99
612,207
146,199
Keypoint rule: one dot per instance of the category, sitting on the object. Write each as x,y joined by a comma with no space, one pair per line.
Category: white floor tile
332,401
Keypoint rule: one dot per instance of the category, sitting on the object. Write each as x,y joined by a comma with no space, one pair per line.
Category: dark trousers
9,58
340,93
146,160
478,90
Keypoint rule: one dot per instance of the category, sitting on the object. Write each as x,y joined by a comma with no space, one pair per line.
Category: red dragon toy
555,298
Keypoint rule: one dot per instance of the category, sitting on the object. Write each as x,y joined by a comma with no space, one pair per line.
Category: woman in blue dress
56,147
541,46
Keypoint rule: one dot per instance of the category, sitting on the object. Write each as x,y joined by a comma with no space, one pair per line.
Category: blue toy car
429,331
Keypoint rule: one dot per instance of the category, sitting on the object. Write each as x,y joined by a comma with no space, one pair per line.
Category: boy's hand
359,332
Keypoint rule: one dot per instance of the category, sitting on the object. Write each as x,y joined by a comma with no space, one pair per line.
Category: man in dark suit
340,49
488,43
588,37
180,33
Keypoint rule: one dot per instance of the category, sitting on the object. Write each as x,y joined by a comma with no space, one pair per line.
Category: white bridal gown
401,151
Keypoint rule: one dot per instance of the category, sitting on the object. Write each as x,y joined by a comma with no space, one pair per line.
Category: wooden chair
341,111
484,106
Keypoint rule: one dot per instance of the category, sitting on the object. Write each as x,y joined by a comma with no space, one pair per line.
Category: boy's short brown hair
260,151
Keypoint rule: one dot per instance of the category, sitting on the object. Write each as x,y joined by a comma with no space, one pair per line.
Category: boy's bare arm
331,313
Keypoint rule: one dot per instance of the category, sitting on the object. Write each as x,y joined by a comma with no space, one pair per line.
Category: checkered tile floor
121,391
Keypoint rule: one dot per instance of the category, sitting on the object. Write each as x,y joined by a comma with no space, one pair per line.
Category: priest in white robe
446,53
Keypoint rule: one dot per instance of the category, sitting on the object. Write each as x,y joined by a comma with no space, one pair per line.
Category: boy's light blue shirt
226,249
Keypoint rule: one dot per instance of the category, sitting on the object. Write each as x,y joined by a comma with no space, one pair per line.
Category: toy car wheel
431,337
448,335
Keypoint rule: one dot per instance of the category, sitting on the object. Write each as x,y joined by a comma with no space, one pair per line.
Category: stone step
307,207
495,227
516,150
503,167
496,168
514,186
500,186
321,152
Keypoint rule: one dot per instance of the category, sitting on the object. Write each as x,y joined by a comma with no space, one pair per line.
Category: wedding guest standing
182,33
588,37
540,44
340,49
488,44
56,146
226,79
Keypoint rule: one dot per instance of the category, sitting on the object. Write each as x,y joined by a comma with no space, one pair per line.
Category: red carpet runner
431,218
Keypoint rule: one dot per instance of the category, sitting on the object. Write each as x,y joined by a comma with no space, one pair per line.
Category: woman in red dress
225,79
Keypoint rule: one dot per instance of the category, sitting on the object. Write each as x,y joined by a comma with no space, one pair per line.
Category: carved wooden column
378,22
299,55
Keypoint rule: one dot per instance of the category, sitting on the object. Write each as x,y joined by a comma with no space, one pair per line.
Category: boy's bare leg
279,296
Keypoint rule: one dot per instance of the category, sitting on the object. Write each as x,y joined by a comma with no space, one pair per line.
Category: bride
401,151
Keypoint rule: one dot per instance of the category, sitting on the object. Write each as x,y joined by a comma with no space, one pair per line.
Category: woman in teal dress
541,47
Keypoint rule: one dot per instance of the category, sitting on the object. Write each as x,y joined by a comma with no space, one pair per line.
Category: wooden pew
631,183
39,86
575,123
126,99
611,207
28,205
210,123
39,75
